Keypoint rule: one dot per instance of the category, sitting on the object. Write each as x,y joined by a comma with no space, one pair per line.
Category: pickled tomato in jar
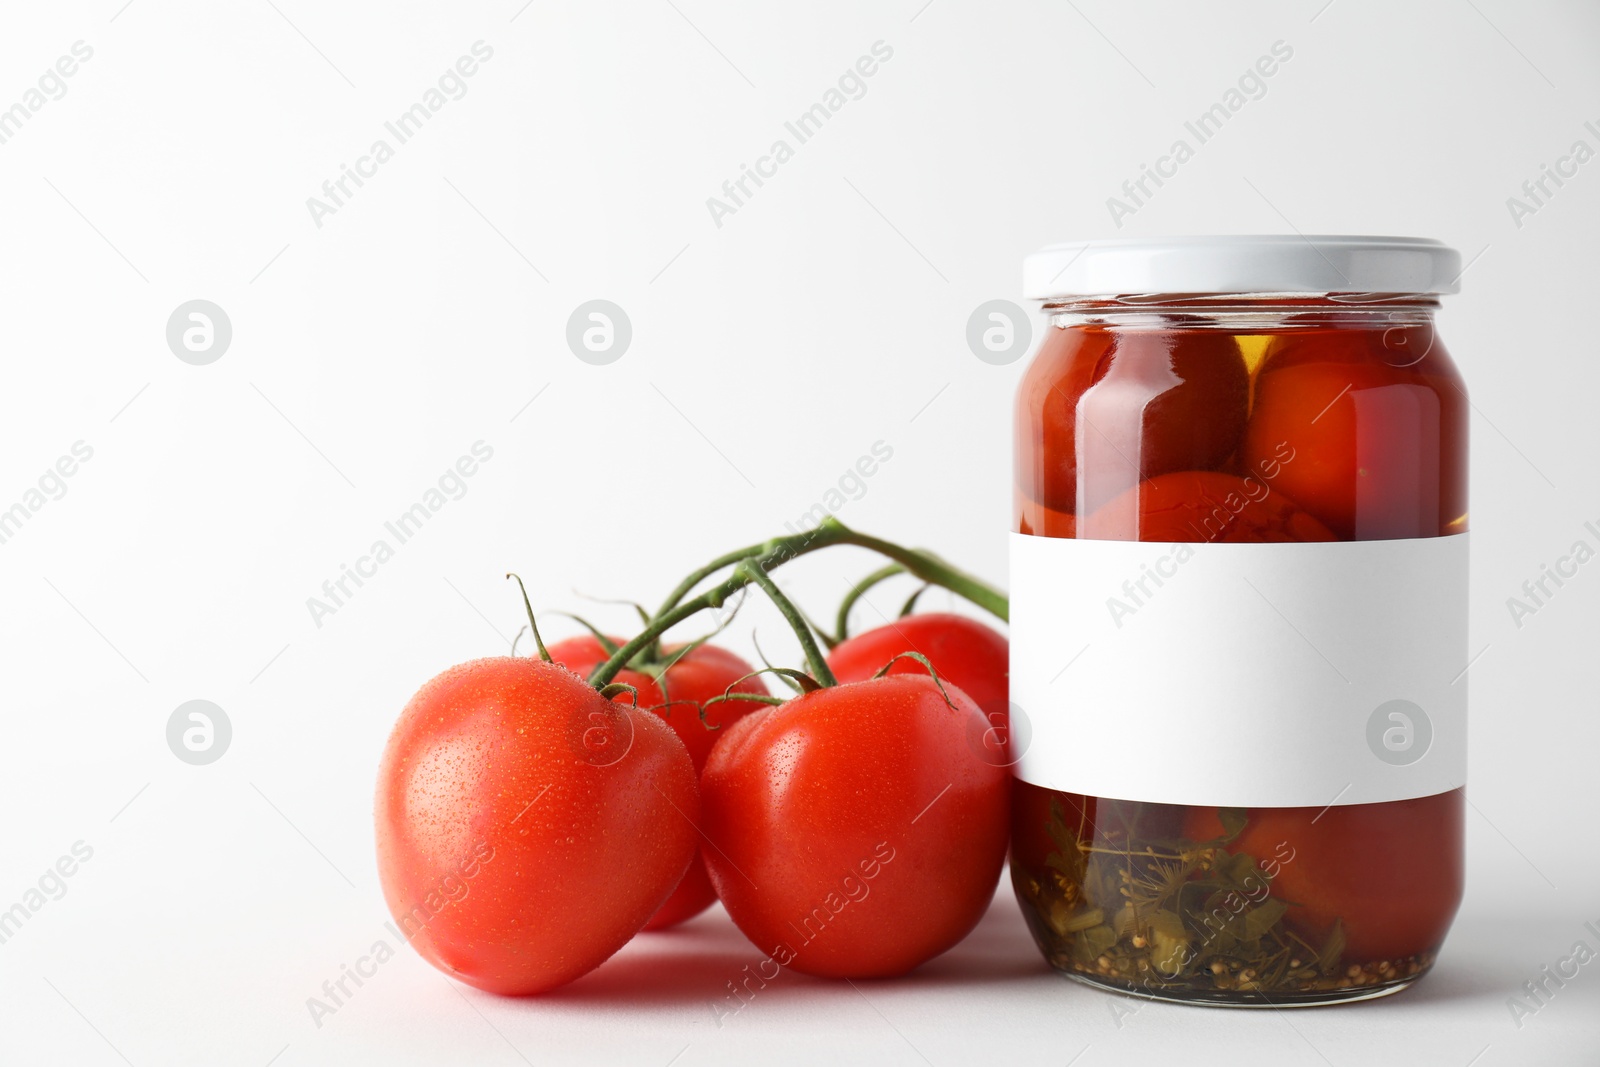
1239,617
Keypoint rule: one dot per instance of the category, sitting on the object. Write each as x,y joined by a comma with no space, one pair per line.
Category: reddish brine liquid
1309,421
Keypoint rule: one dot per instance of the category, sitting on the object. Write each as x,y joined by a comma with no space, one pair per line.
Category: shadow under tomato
1486,958
694,964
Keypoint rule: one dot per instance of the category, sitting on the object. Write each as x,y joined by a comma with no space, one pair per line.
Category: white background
768,354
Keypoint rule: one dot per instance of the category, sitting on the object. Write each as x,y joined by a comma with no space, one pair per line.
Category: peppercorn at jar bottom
1263,907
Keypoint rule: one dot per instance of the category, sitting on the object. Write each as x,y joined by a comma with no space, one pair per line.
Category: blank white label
1249,675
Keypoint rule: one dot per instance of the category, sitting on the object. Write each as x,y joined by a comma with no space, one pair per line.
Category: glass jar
1239,617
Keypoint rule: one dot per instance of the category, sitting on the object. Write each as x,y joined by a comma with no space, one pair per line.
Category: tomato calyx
798,681
784,676
598,634
883,672
614,688
544,653
646,661
802,682
608,689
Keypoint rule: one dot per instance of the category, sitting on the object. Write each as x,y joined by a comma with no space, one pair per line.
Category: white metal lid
1268,263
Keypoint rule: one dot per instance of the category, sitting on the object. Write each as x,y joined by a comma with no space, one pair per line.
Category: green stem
768,554
751,568
685,587
664,621
544,653
831,531
778,551
841,622
931,568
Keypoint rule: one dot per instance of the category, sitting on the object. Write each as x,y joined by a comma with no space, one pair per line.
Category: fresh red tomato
1099,410
1204,506
858,833
1392,872
1379,450
527,827
963,651
693,678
